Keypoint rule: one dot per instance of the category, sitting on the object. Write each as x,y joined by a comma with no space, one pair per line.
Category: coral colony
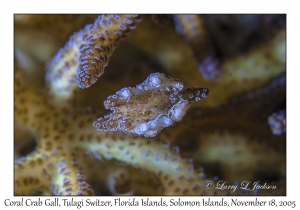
189,109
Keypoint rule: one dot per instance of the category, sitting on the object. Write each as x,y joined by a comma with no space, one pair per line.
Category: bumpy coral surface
277,122
149,107
87,52
135,151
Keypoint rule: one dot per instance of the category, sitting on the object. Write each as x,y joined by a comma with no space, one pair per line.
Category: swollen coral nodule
146,109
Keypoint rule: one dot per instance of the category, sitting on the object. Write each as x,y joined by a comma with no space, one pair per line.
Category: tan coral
158,102
57,26
86,54
105,178
63,133
120,183
192,26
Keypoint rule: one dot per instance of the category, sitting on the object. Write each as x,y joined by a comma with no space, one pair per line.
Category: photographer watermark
244,185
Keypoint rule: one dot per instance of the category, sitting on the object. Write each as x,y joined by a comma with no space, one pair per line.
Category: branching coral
192,26
67,136
233,138
153,105
241,73
86,54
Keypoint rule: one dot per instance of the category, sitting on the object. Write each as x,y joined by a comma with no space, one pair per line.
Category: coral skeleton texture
86,53
159,137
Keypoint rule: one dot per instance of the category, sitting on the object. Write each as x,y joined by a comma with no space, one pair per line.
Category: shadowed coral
252,110
192,26
235,136
119,183
58,26
86,54
41,36
244,72
161,20
277,122
107,179
149,107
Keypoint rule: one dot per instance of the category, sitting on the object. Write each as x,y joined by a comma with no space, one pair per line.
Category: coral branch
240,74
102,38
192,26
112,177
70,179
260,62
29,107
277,122
153,105
176,175
119,183
251,111
58,26
34,172
86,54
235,134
